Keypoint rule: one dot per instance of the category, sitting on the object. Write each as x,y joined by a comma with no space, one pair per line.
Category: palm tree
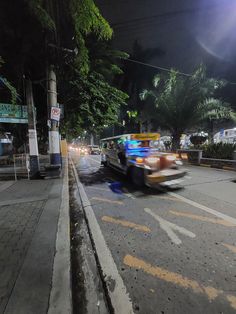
219,111
181,101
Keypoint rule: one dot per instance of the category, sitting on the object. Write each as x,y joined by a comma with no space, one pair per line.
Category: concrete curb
116,290
61,296
218,167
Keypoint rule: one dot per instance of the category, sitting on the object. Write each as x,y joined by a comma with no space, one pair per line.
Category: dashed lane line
205,208
126,223
178,280
169,198
106,200
230,247
202,218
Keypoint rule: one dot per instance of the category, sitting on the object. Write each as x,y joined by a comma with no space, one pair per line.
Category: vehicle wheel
137,175
104,163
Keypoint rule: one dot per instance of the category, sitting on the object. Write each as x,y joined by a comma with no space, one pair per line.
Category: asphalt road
175,251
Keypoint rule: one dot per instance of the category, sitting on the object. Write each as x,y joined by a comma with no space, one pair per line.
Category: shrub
219,150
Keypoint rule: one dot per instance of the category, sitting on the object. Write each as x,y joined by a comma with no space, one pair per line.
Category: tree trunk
211,135
175,141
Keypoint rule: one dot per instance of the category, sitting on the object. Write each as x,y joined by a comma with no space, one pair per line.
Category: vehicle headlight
152,160
171,158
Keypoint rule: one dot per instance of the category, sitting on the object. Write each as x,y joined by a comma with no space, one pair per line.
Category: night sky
188,31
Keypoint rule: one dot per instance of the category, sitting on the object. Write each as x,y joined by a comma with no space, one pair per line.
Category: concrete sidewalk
35,246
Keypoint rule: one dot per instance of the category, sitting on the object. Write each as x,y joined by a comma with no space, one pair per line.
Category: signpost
55,113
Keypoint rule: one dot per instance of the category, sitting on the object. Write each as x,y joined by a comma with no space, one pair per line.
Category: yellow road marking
106,200
230,247
177,279
206,219
126,223
232,300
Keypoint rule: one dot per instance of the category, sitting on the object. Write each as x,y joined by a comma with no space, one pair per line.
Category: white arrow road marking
168,227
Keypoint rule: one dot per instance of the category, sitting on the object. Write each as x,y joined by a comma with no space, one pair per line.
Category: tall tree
136,78
35,33
180,101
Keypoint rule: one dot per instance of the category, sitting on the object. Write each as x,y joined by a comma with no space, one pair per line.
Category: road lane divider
177,279
119,298
106,200
202,218
170,227
126,223
168,198
205,208
230,247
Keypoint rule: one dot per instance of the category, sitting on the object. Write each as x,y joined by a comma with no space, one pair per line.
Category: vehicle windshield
142,144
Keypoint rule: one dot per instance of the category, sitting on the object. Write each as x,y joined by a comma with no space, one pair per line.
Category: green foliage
9,86
219,150
37,9
94,103
181,100
87,19
104,58
218,110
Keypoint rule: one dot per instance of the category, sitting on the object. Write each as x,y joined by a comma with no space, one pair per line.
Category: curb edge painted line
118,295
61,294
213,167
228,168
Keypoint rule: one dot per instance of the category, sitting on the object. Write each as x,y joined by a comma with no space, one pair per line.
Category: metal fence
21,165
18,166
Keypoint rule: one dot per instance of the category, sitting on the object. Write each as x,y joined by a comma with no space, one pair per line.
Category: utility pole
33,141
54,140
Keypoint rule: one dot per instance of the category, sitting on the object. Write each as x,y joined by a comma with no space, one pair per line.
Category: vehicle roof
130,135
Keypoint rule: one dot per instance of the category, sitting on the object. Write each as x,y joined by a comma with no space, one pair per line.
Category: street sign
55,113
13,113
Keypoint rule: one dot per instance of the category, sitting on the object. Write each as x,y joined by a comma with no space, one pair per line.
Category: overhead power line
165,69
167,14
